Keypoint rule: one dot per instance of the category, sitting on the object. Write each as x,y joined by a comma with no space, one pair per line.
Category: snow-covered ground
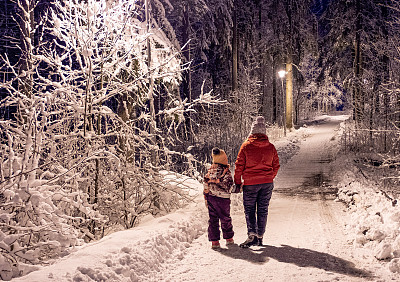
312,235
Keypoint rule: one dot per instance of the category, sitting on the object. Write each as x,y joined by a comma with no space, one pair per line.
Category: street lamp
282,74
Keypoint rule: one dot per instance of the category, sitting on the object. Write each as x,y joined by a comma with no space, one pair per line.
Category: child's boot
215,244
230,241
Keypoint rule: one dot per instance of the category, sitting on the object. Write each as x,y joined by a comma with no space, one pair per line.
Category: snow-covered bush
83,154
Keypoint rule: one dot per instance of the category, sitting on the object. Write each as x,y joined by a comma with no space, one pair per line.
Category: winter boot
259,241
230,241
251,241
215,245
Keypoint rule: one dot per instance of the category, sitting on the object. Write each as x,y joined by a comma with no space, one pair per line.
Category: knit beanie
258,126
219,156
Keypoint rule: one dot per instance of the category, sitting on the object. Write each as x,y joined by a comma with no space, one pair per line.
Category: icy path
305,238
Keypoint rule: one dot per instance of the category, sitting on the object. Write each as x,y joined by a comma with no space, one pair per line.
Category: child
217,186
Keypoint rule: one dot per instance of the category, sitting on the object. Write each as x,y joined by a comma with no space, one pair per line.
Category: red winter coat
257,161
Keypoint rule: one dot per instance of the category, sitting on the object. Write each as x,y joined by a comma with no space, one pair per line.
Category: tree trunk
289,93
357,91
150,94
97,162
289,68
234,50
263,109
187,81
26,23
274,90
297,107
262,67
386,68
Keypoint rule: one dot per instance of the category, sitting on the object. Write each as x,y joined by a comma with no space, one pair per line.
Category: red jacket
257,161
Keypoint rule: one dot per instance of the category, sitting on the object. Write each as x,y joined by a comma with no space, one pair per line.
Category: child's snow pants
219,210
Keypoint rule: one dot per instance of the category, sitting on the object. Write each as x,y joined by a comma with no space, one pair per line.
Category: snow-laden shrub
39,216
83,154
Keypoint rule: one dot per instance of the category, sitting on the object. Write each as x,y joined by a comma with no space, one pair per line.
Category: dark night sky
320,6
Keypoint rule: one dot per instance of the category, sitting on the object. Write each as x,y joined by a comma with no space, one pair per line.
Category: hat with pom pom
219,156
258,126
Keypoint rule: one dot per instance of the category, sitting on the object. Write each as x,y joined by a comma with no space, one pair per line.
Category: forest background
101,101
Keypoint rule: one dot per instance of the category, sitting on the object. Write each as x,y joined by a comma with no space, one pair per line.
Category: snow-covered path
305,238
308,172
304,242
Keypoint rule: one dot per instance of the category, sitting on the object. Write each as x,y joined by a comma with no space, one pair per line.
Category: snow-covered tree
79,160
38,217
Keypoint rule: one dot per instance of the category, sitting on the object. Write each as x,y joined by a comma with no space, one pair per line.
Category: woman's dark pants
256,201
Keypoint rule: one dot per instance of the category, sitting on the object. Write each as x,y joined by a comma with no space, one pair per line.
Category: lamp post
282,74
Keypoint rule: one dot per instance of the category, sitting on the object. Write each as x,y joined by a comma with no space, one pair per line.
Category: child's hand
205,202
239,187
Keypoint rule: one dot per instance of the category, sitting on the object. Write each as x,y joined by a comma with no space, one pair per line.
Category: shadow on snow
298,256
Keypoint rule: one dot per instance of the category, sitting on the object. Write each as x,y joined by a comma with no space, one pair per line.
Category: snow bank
375,217
131,255
290,146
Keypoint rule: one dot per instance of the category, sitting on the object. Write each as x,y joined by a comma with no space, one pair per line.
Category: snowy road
305,240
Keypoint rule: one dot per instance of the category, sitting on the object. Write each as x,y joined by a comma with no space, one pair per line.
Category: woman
255,168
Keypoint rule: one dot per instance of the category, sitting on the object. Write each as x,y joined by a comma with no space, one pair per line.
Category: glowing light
282,73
